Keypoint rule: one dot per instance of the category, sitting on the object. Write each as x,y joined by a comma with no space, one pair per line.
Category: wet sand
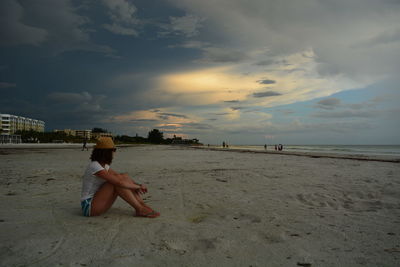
217,208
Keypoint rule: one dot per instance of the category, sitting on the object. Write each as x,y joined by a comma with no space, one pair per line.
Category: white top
91,183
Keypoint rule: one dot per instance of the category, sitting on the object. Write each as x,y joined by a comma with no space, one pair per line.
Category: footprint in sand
248,217
318,200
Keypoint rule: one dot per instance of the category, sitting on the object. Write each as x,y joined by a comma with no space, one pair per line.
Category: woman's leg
103,199
139,198
106,195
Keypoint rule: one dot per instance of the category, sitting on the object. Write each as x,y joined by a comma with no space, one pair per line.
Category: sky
239,71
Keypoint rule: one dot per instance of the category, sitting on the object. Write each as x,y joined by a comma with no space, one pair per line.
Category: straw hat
104,143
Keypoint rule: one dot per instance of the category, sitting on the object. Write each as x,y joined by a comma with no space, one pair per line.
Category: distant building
9,124
177,140
86,134
66,131
97,135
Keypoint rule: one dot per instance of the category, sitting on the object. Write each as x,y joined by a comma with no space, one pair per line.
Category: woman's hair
102,155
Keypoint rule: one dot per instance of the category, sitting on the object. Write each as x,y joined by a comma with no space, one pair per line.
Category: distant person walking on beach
265,147
84,145
280,147
102,185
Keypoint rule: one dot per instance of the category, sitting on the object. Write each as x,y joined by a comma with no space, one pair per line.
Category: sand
217,209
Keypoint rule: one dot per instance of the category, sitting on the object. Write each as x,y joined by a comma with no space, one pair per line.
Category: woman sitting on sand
101,185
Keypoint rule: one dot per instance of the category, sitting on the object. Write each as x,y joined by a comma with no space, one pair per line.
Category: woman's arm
117,179
142,189
117,173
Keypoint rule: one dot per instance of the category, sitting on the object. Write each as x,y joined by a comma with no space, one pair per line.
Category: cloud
329,103
7,85
266,62
166,116
286,111
346,114
61,97
332,29
382,38
266,94
212,53
266,81
118,29
237,108
222,55
239,82
58,26
13,31
123,17
154,115
187,25
77,102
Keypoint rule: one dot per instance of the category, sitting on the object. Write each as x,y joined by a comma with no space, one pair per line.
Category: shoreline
379,158
57,146
360,157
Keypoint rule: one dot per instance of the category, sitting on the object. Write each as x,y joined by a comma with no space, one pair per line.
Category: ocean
383,150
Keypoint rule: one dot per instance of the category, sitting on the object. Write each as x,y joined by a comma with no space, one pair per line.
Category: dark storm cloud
266,81
7,85
122,16
266,94
60,97
78,102
166,116
13,31
187,25
54,23
142,120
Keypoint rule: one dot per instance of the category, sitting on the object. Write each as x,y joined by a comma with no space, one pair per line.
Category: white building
9,124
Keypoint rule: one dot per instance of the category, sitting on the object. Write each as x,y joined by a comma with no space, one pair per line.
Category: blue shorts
86,205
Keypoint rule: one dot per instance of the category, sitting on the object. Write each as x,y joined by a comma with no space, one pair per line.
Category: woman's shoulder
93,163
95,166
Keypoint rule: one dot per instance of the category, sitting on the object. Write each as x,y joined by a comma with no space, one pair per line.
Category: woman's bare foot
148,212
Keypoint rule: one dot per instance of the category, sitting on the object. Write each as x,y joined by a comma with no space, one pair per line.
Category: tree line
155,136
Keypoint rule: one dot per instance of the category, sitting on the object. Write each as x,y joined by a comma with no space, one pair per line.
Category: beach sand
217,209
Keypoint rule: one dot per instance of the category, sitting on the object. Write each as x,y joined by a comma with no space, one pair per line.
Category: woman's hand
142,189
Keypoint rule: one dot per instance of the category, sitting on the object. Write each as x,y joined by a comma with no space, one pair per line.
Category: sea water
388,150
